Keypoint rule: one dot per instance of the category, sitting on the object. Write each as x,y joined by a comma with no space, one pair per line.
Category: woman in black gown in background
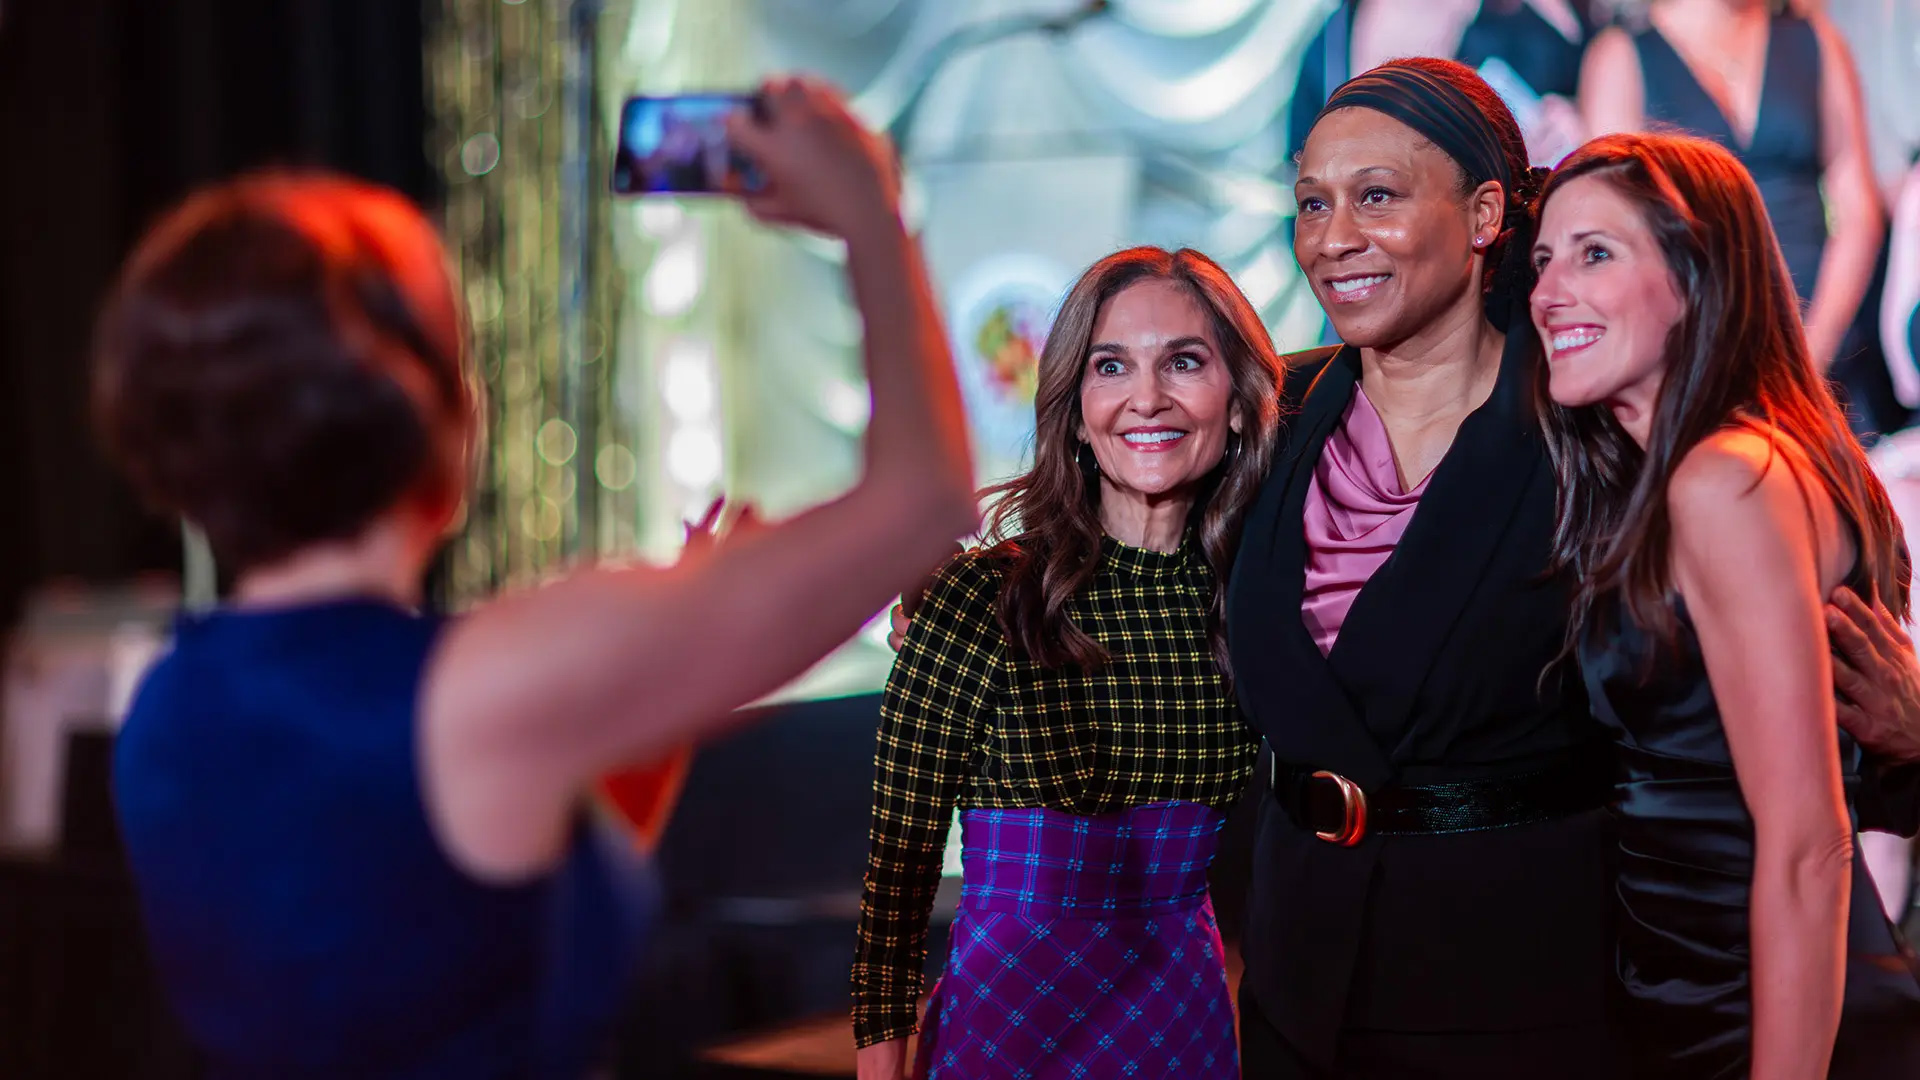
1775,85
1541,41
1711,496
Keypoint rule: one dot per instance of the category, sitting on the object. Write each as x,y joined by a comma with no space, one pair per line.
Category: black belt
1339,812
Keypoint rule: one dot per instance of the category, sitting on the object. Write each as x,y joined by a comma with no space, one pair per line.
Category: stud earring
1479,241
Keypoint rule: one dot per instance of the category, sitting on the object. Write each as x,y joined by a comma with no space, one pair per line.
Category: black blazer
1436,676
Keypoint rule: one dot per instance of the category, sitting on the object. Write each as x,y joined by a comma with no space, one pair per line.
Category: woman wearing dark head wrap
1430,875
1431,878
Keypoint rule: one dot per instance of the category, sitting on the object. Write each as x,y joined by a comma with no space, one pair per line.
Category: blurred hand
902,615
1875,670
882,1061
824,169
702,535
897,626
706,534
1558,132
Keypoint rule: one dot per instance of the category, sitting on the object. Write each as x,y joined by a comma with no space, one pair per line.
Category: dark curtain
110,110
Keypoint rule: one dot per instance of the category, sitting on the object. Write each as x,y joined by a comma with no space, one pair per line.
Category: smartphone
678,146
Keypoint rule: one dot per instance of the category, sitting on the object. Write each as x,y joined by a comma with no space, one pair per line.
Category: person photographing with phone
357,830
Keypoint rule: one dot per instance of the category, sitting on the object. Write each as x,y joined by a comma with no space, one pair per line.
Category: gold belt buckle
1354,827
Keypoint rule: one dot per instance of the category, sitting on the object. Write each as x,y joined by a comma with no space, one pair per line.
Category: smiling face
1605,304
1384,234
1156,393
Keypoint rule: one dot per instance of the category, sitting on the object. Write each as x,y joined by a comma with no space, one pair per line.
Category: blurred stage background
647,354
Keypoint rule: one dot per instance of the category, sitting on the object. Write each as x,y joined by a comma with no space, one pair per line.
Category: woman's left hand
704,535
1877,675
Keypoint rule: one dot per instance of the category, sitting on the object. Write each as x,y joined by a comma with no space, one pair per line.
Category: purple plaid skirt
1084,947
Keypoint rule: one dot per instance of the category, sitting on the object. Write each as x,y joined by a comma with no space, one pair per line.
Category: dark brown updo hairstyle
282,360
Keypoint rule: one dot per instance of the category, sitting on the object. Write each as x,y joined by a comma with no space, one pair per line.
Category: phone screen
678,146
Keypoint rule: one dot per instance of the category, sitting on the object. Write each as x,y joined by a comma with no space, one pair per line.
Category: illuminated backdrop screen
644,355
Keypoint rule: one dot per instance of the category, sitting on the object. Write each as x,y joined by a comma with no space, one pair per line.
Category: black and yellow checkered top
968,721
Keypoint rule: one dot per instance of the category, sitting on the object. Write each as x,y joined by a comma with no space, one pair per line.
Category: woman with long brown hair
1711,497
1066,688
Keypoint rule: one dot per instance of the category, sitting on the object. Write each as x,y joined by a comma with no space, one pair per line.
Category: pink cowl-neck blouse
1355,514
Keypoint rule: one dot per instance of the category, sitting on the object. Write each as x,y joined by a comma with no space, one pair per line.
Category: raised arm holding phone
357,829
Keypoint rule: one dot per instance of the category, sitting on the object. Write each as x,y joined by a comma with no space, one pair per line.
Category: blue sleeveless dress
303,918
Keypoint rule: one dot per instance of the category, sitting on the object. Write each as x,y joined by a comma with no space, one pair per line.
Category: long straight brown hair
1047,520
1738,355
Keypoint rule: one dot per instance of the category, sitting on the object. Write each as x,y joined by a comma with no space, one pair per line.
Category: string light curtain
510,83
597,334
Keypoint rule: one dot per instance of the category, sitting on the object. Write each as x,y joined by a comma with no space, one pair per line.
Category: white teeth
1138,437
1573,339
1352,284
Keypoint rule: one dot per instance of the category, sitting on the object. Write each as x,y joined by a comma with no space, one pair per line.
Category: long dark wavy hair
1738,355
1047,521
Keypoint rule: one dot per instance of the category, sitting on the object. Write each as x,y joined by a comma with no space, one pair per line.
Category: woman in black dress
1711,497
1775,85
1539,42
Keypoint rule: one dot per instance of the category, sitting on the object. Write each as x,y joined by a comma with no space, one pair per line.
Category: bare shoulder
1727,463
1734,468
1749,483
